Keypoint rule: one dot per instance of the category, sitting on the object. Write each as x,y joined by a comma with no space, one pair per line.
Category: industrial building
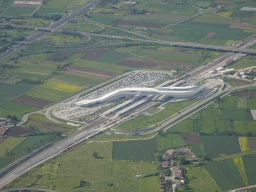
171,92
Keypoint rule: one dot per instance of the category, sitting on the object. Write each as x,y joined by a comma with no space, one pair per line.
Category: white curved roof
168,91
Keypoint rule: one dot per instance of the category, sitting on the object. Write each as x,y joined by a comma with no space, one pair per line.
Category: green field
228,103
102,66
245,62
53,91
40,57
242,103
143,121
245,126
184,126
250,168
65,172
236,82
225,174
9,144
31,142
170,141
251,104
149,184
5,161
135,150
200,180
61,6
11,108
215,146
104,19
233,114
112,57
78,79
13,90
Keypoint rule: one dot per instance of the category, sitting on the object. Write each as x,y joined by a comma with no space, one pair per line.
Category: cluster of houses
175,179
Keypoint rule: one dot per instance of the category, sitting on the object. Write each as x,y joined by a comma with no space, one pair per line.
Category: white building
227,71
173,92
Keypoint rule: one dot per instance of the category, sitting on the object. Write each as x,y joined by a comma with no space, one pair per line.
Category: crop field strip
215,146
30,142
149,184
31,101
18,131
225,174
168,141
135,150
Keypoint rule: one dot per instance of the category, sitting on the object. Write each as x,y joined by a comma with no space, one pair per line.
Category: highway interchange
92,129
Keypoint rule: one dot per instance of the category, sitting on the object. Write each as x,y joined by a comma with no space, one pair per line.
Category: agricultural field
53,6
5,161
13,90
40,122
32,69
30,143
251,103
12,109
9,144
168,141
31,101
149,184
135,150
29,21
53,91
225,173
215,146
190,138
245,62
244,144
200,180
60,174
111,57
249,165
17,131
143,121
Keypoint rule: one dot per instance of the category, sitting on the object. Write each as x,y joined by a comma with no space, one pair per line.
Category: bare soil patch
211,34
17,131
241,26
252,143
253,93
139,24
190,138
91,71
31,101
90,54
241,94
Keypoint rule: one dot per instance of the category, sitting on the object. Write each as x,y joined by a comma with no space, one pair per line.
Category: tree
95,154
182,161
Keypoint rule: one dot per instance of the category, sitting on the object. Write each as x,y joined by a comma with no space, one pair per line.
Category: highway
53,26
